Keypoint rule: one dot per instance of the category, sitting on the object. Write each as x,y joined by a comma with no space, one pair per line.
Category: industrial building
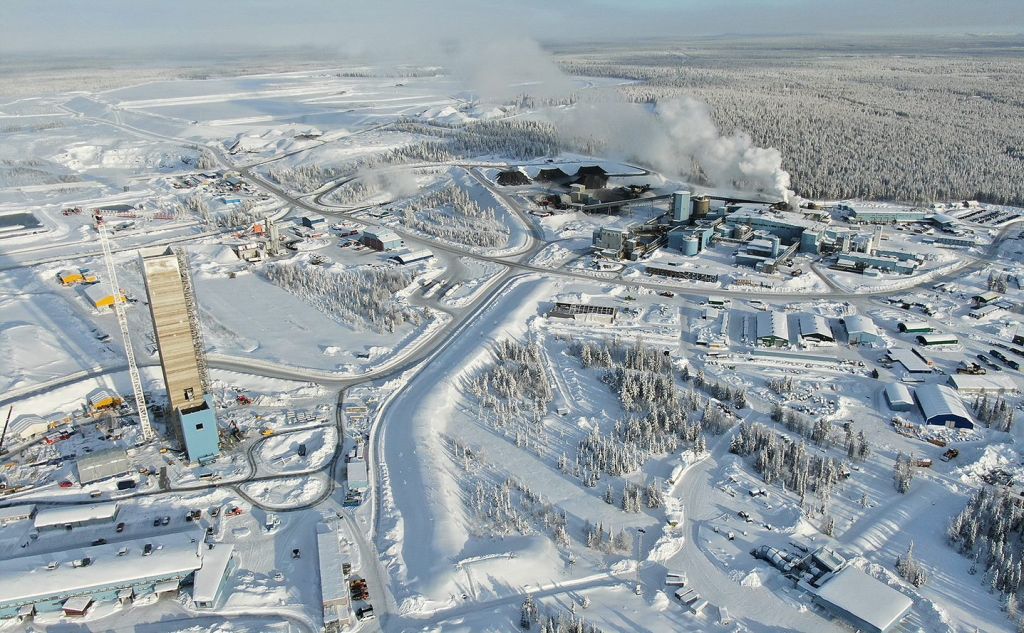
27,427
218,563
411,257
15,514
334,592
930,340
357,475
861,330
681,273
898,397
915,327
691,240
941,406
314,221
888,215
182,360
584,312
980,384
100,296
815,328
912,360
772,329
790,228
382,239
859,262
126,570
75,516
102,465
765,252
864,602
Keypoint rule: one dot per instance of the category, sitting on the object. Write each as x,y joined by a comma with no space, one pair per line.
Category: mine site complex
364,347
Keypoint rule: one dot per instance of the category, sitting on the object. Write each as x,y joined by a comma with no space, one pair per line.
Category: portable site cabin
100,296
72,276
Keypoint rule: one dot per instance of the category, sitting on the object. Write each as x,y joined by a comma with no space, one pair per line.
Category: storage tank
680,206
701,206
691,245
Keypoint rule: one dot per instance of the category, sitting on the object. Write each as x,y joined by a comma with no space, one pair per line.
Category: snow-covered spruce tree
357,297
903,473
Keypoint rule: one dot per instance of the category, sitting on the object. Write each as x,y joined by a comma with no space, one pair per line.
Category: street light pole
639,552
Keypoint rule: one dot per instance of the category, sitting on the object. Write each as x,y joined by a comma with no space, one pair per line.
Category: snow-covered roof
28,578
102,464
77,604
814,325
898,393
100,396
997,383
98,293
27,425
207,582
774,324
940,400
332,580
384,235
16,513
49,517
408,256
910,360
860,324
357,475
862,596
937,339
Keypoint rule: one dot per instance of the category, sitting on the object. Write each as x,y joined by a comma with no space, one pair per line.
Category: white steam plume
675,137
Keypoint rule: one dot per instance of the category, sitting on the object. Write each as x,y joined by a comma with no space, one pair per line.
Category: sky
374,26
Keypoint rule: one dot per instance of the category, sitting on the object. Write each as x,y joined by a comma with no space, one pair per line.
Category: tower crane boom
122,322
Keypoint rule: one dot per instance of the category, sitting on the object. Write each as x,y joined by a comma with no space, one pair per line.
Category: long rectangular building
45,581
176,326
334,595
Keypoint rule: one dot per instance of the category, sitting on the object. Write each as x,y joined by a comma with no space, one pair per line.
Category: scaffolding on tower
193,318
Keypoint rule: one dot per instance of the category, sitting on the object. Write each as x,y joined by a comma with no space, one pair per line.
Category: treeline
779,459
990,532
914,129
451,214
516,138
357,297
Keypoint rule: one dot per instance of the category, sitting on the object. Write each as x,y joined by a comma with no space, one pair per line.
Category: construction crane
122,322
3,433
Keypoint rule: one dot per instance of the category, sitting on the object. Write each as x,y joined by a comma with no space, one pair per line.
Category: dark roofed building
554,175
592,177
512,177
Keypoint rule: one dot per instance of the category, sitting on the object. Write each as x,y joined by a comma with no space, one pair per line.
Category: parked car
147,549
120,527
66,484
296,553
165,521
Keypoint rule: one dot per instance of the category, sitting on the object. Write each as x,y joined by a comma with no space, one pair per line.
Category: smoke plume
677,137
